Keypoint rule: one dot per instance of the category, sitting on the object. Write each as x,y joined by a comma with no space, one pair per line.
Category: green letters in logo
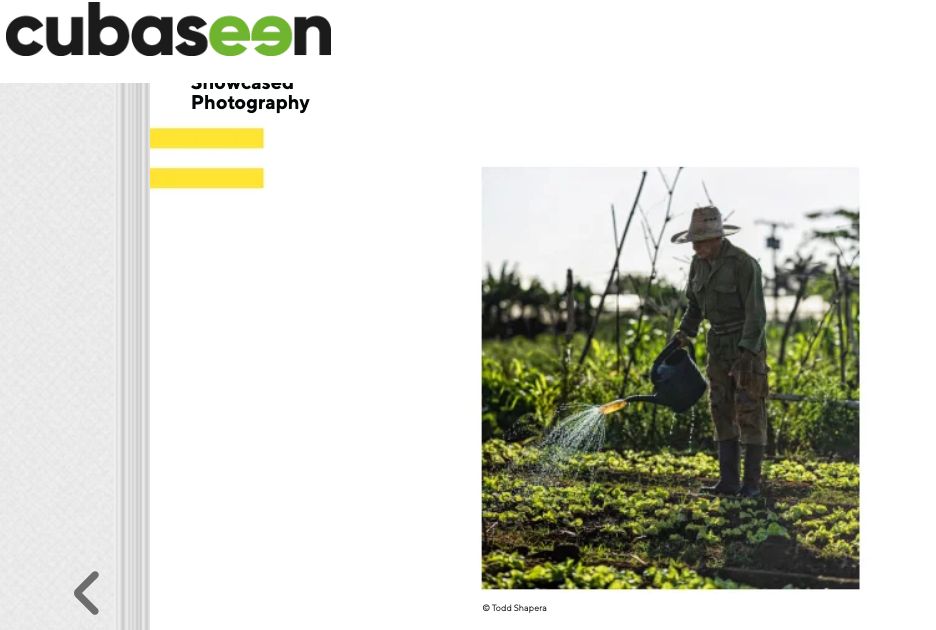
272,29
219,38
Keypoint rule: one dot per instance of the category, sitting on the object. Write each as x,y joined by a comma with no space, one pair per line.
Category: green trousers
738,390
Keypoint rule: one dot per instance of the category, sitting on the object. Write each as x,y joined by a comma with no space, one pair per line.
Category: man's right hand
681,338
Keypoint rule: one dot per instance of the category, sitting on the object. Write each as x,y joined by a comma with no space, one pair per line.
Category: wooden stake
617,256
852,340
800,292
814,337
841,327
569,332
570,308
632,354
617,300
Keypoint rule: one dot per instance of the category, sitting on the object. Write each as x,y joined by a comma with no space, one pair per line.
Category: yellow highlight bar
206,138
206,178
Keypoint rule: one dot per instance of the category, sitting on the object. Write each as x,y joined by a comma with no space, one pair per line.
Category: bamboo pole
617,257
570,308
849,326
617,301
569,333
855,347
632,354
814,337
778,437
841,327
800,292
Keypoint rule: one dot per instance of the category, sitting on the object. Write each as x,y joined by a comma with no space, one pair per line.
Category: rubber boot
753,456
729,482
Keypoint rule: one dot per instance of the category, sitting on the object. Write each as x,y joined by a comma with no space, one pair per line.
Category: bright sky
548,219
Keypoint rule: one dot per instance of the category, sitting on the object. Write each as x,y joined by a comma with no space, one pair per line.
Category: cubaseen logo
271,35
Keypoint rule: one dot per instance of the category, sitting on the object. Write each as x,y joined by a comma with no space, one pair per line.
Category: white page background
315,344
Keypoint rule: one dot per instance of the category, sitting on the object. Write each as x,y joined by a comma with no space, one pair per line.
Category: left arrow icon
80,596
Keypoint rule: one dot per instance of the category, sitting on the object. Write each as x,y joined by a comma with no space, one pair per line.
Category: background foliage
523,381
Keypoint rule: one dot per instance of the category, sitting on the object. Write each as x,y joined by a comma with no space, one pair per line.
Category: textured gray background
58,353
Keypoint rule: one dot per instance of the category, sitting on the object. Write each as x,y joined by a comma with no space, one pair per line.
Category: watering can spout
611,407
648,398
620,403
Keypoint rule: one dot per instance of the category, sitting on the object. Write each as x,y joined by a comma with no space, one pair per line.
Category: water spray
677,384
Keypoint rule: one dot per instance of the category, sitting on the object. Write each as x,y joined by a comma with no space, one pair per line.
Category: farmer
725,288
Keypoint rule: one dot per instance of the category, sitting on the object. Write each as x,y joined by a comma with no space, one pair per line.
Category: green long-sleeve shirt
729,293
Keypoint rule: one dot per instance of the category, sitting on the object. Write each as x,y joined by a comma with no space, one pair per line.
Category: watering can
676,379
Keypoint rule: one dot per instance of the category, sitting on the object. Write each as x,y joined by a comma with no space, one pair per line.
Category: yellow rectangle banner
206,138
206,178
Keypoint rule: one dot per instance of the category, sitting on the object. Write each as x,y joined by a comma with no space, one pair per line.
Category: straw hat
706,223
